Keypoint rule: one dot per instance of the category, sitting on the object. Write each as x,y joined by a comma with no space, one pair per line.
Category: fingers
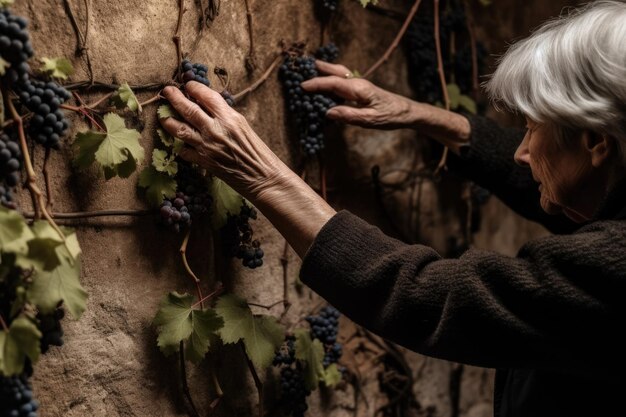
190,155
347,89
352,115
182,131
189,110
209,99
332,69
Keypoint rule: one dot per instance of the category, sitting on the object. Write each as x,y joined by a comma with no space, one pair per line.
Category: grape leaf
332,376
468,104
14,233
118,150
364,3
165,110
177,322
61,284
4,3
454,93
57,67
42,254
261,335
20,342
164,163
157,185
311,354
170,141
124,97
226,200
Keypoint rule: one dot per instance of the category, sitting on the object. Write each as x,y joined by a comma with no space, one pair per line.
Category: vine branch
260,81
444,85
3,324
81,39
395,42
251,58
46,177
177,37
97,213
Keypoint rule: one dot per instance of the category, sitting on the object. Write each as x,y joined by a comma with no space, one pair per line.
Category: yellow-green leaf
311,354
118,150
4,3
332,376
3,66
163,162
57,67
261,335
364,3
468,104
125,97
157,185
227,201
20,342
14,232
165,110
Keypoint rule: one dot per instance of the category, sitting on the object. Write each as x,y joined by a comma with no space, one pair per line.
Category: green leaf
14,232
468,104
49,288
162,162
57,67
118,150
124,97
364,3
157,185
311,354
227,201
20,342
178,322
165,110
4,3
261,335
332,376
42,248
170,141
454,94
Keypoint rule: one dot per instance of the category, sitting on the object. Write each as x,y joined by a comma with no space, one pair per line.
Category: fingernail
168,90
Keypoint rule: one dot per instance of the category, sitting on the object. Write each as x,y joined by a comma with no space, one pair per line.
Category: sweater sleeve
549,307
488,161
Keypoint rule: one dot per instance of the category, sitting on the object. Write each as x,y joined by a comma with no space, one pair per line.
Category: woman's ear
599,146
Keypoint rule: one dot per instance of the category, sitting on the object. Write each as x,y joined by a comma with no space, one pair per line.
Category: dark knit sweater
550,319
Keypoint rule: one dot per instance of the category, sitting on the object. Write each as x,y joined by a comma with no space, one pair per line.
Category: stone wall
110,365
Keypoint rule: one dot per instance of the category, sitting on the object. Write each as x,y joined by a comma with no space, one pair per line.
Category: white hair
570,73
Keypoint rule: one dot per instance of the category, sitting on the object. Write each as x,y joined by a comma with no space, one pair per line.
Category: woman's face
565,174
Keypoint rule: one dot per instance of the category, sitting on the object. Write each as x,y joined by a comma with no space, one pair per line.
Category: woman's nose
522,155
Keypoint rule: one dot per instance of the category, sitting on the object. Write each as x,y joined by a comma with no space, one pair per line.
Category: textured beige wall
110,365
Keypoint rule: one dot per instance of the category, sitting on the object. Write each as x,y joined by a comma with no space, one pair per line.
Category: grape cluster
230,100
422,59
44,99
51,330
293,391
325,327
195,72
15,46
328,52
10,160
309,110
6,197
16,397
237,238
192,199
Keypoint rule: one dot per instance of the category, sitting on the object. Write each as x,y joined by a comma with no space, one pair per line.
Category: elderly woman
548,319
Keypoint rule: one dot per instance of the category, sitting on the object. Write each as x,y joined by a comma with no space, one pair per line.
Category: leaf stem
183,376
151,100
216,292
178,38
46,177
255,376
251,58
183,255
395,42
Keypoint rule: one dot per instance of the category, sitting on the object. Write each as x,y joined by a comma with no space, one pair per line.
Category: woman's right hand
373,107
